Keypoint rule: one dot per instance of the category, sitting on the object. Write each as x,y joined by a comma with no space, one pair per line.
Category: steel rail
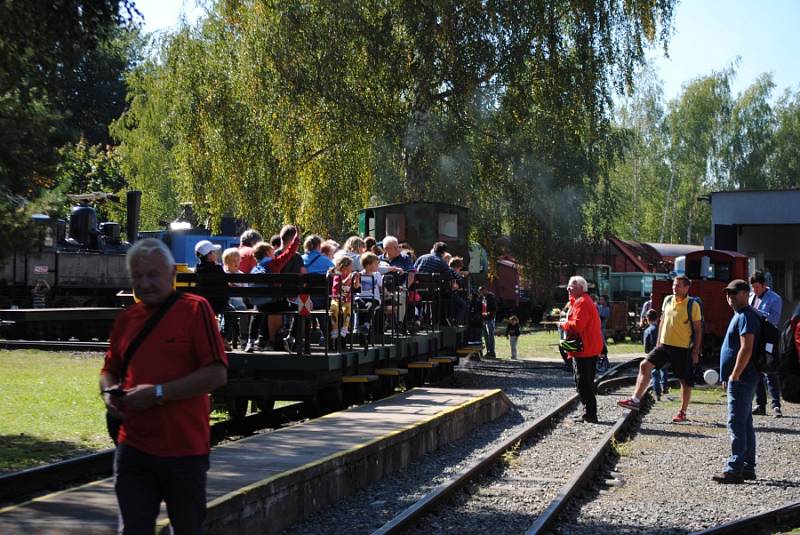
787,515
17,485
443,491
582,475
439,495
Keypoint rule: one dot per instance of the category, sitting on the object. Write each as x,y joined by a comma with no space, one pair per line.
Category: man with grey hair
583,344
165,355
402,266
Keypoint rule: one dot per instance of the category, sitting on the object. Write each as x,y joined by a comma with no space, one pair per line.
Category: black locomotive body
84,268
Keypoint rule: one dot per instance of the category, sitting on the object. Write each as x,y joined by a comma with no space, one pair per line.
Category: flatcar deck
266,482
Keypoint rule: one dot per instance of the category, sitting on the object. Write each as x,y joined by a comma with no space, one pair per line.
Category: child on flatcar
368,301
344,281
267,262
232,330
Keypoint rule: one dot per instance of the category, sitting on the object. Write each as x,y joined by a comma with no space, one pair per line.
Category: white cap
203,247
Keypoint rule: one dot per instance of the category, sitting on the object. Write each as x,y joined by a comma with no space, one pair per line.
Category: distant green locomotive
419,224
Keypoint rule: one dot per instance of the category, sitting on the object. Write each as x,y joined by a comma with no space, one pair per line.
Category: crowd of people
358,304
167,353
675,336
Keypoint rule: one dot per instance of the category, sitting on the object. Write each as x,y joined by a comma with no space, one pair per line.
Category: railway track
772,521
18,486
414,517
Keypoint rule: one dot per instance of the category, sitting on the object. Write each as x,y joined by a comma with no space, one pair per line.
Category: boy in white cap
207,256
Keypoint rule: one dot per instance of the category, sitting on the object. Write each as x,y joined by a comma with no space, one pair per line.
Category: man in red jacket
583,323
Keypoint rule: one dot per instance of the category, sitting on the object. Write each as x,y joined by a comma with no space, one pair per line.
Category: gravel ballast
661,482
533,388
657,482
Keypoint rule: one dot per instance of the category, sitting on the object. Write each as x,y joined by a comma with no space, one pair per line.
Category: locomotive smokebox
134,199
83,224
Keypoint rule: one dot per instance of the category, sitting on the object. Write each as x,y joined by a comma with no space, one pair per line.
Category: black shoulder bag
112,422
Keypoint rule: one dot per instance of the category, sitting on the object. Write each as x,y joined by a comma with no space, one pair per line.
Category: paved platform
264,483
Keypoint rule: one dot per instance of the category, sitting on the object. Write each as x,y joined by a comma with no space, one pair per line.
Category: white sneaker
343,333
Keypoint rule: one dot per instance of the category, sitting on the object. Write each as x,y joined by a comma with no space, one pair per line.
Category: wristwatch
159,394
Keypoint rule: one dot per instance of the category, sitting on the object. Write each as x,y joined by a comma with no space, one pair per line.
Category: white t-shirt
371,284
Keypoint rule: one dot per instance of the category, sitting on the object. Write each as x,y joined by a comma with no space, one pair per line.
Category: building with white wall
765,226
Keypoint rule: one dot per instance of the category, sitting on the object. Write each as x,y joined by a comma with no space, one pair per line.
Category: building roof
673,250
756,207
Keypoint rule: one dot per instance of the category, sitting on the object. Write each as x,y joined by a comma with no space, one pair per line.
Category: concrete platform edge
275,503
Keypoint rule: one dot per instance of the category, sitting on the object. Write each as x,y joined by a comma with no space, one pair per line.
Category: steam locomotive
83,264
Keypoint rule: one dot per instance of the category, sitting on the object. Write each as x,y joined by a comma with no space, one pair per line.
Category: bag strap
148,327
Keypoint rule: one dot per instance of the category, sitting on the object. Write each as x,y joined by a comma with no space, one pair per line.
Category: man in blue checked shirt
770,305
434,263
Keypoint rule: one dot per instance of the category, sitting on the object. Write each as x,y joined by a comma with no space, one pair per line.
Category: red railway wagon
710,271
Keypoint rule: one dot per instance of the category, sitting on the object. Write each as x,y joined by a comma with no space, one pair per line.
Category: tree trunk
666,207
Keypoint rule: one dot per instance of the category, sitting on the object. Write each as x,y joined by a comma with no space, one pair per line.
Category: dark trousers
257,329
142,481
584,370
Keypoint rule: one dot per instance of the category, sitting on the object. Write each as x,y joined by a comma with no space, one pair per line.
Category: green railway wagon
419,224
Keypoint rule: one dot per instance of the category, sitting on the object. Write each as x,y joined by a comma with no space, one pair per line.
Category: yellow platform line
264,482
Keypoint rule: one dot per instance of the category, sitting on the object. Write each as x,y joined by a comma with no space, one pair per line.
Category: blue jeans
658,380
488,336
740,423
774,386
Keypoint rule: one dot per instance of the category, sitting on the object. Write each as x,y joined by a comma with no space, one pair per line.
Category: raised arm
280,261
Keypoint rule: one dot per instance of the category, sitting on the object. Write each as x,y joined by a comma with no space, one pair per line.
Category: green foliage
58,68
705,140
83,169
784,161
304,112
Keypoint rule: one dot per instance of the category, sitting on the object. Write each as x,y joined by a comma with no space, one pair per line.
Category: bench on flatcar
429,287
284,288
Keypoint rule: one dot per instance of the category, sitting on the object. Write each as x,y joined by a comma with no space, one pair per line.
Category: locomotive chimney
134,207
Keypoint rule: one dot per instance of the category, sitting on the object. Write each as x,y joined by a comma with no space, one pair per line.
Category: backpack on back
788,364
766,353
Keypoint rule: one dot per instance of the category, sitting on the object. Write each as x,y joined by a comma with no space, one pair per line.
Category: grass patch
510,457
543,344
49,407
705,395
621,449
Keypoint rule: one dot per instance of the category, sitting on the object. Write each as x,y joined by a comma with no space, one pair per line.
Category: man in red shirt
583,323
162,397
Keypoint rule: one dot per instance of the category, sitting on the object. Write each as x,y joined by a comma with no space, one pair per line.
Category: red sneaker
680,417
629,404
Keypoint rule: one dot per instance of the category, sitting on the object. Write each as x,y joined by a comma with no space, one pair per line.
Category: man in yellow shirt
679,343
